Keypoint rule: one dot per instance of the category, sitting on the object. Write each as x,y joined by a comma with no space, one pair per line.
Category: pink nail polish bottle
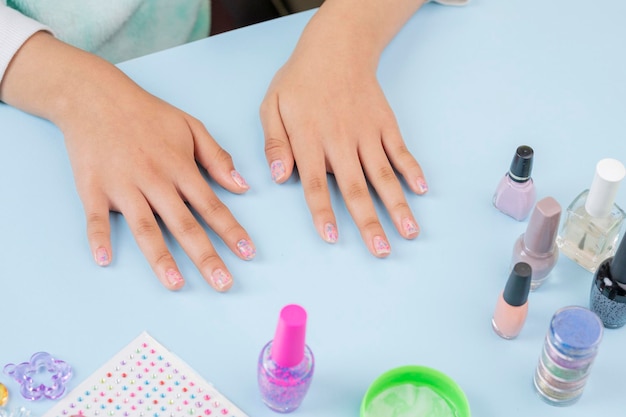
512,306
515,195
537,246
286,363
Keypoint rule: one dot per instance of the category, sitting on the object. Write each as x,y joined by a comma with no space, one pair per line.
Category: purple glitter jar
569,349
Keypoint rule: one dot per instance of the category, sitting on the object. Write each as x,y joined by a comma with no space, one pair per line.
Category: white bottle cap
609,173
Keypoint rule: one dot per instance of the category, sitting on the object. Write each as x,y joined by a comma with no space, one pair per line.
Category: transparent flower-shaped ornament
42,377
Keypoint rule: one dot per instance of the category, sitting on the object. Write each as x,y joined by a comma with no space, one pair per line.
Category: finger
403,160
149,238
353,186
191,236
277,148
312,170
96,209
383,178
215,159
217,216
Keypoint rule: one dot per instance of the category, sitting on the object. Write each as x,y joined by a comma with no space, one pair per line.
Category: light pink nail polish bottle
537,246
515,195
512,306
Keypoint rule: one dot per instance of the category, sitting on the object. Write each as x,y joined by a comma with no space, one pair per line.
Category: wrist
53,80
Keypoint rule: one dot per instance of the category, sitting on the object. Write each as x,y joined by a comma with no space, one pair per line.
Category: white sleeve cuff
15,29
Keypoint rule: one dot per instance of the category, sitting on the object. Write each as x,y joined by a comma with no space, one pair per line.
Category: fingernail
246,249
330,233
421,185
220,279
409,227
239,179
277,168
173,277
102,257
381,246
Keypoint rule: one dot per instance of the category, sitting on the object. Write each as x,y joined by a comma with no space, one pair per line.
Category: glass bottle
593,221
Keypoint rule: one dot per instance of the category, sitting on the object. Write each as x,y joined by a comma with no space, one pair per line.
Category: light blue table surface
468,85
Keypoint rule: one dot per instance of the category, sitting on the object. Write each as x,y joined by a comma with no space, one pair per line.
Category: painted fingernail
239,180
277,169
409,227
246,249
381,246
102,257
220,279
330,233
173,277
421,185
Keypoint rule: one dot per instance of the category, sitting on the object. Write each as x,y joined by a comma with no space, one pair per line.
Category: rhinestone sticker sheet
145,380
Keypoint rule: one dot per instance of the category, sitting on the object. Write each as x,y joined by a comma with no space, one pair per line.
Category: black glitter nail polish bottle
608,289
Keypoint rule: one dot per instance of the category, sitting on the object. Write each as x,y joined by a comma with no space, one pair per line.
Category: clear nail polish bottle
512,306
593,221
608,289
286,363
515,194
537,245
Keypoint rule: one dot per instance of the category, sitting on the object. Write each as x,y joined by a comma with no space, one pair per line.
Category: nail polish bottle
515,195
608,289
286,363
593,221
512,306
537,246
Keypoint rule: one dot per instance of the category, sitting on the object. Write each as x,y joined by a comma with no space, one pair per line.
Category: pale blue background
468,86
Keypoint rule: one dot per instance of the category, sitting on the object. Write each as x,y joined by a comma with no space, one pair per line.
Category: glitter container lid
420,389
575,332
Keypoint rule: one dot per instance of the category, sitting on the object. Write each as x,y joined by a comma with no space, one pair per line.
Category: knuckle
369,223
188,227
356,191
214,208
273,146
206,259
401,207
403,151
386,174
146,227
222,155
315,185
233,229
162,258
96,219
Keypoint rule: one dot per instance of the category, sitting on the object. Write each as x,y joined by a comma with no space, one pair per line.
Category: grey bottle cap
543,226
609,173
518,285
618,263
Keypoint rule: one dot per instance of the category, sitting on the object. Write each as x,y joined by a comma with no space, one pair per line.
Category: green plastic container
388,389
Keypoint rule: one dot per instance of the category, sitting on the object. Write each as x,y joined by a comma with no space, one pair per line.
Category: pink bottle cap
288,345
542,228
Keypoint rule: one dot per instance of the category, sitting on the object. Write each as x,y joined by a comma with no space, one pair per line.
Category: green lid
409,389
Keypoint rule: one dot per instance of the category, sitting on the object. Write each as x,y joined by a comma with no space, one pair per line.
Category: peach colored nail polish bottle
512,306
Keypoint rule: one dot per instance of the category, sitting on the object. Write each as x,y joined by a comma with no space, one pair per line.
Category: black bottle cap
518,286
522,164
618,264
